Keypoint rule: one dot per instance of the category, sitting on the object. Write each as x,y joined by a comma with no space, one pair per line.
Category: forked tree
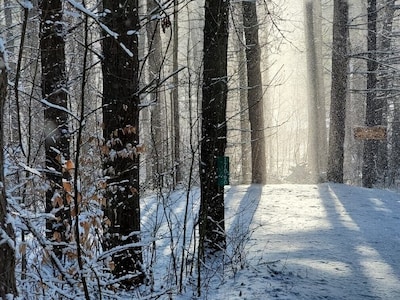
120,67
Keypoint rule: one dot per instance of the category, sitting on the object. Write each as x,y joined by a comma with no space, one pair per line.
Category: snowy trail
328,241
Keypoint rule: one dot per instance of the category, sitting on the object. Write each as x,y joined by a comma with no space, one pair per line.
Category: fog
287,90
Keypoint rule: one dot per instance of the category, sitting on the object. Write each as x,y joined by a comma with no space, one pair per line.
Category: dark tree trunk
255,93
52,47
213,141
121,137
338,92
7,252
374,105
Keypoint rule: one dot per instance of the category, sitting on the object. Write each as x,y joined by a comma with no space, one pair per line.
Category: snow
288,241
26,4
326,241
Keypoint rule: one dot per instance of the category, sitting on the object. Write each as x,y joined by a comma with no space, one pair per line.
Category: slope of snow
326,241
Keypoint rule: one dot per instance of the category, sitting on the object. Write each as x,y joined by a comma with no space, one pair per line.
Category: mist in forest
287,92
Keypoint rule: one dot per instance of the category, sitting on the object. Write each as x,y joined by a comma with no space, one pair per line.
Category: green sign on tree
223,170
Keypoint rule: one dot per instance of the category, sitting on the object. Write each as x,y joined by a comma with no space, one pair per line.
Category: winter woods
114,113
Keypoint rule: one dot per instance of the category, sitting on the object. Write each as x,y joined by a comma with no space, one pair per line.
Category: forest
113,111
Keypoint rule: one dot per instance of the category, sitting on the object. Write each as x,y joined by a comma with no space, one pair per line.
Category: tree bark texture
374,105
57,136
214,129
338,92
255,93
7,249
121,137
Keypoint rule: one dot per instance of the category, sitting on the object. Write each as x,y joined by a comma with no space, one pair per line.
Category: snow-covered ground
326,241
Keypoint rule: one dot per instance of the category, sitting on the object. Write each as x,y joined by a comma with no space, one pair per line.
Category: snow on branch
95,17
59,107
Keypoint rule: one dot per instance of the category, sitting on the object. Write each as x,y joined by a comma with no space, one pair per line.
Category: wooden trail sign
370,133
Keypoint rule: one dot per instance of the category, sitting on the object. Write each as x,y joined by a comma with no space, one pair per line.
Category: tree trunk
255,93
317,127
176,160
214,129
157,148
374,105
245,136
386,93
338,92
7,250
52,47
121,138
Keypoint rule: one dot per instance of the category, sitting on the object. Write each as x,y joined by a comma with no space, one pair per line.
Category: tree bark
385,161
176,157
374,105
57,138
121,138
7,249
214,129
255,93
338,92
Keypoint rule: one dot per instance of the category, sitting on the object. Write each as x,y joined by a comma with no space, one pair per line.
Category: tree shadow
321,243
370,234
241,204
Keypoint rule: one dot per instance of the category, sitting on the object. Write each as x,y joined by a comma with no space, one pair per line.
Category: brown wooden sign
370,133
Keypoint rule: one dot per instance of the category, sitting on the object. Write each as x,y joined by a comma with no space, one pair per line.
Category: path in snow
325,241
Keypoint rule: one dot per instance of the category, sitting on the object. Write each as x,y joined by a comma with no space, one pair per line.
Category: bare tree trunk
386,92
374,105
176,160
157,148
338,91
7,249
317,127
214,129
255,93
52,47
245,136
121,138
